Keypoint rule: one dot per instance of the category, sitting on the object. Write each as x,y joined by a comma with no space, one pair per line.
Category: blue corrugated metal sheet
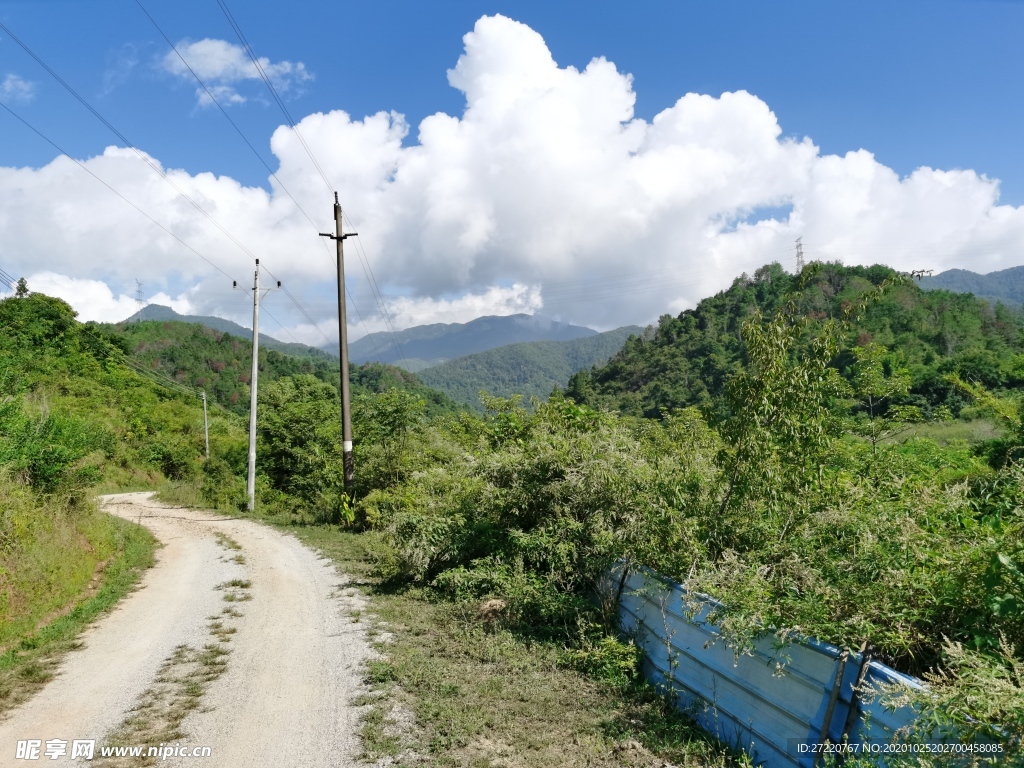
748,701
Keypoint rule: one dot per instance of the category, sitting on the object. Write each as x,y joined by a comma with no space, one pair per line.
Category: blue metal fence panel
749,701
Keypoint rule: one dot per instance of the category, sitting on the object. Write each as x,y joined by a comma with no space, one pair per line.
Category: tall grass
53,550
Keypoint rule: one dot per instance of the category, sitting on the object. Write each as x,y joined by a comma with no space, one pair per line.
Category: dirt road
282,699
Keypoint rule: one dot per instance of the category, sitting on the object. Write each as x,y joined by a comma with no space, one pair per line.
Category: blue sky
932,83
936,84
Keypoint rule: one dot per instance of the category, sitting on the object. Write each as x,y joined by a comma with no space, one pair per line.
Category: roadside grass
180,684
450,690
178,690
184,493
33,659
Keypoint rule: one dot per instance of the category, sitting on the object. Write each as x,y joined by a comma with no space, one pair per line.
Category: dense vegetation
798,466
689,359
72,419
801,493
530,369
166,314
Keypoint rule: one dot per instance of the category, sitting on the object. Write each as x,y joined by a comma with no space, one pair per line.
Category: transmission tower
799,255
140,296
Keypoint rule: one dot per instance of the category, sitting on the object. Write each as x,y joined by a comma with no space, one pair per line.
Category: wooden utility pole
346,393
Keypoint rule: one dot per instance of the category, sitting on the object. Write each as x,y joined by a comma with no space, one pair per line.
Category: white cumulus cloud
222,65
546,182
516,299
15,88
93,299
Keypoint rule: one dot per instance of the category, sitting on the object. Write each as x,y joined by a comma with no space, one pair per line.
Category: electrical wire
316,164
81,165
376,290
142,155
8,280
138,152
273,91
224,112
259,157
154,376
85,168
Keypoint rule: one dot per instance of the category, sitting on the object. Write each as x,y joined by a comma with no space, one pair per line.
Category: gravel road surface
293,670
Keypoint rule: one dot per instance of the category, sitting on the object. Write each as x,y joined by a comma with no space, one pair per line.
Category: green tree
875,381
383,423
299,443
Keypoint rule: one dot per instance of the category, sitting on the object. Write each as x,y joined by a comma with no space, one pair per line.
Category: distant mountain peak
1006,285
426,345
160,313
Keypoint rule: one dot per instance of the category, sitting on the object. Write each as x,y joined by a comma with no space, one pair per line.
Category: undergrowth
32,661
456,688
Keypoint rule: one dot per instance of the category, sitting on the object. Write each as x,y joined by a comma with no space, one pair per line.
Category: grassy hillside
73,420
689,358
1006,285
427,345
533,368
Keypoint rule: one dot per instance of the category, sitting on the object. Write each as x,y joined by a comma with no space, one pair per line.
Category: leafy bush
792,503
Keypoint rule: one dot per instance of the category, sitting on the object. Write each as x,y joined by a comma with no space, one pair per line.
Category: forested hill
166,314
688,359
533,368
201,358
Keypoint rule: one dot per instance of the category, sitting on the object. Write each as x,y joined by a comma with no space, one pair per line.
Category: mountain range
1006,285
504,355
424,346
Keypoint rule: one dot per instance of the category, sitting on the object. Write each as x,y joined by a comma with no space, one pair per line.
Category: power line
154,376
12,281
85,168
142,155
138,152
273,91
298,134
259,157
299,306
8,280
224,112
376,290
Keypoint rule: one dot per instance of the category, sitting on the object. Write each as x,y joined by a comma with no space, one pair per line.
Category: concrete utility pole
250,481
346,394
250,478
206,427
